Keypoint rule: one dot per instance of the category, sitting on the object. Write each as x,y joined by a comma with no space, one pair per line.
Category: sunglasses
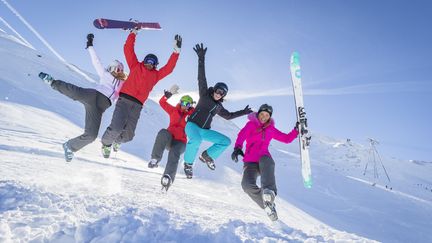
220,92
185,104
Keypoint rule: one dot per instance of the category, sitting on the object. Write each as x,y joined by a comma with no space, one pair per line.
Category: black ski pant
164,140
95,105
123,122
251,170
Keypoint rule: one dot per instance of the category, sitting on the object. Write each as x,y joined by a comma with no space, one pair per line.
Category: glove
135,30
297,126
200,50
167,94
247,110
174,89
89,40
177,43
236,153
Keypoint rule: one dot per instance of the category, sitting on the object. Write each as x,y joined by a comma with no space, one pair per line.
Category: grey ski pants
95,105
164,140
123,122
251,170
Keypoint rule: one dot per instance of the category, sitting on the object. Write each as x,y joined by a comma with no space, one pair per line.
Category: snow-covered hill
43,198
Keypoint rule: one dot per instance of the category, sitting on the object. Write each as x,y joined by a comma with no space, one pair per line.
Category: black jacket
207,107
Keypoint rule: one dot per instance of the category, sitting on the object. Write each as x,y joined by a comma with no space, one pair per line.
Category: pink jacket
258,137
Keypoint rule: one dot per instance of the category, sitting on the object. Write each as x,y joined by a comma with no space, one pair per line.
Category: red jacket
141,81
178,119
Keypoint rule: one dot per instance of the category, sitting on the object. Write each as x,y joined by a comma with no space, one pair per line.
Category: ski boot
153,163
106,151
68,153
166,182
46,78
116,147
188,170
205,158
269,205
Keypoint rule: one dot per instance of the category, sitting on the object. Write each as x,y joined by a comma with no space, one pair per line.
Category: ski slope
43,198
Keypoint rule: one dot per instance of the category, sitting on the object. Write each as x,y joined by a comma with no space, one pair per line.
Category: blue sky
366,64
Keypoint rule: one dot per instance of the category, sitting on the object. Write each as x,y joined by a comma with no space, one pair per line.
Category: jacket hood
254,118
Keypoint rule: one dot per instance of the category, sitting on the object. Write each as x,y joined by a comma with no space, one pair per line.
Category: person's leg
177,148
93,118
220,142
250,175
194,141
128,132
118,122
70,90
162,139
267,170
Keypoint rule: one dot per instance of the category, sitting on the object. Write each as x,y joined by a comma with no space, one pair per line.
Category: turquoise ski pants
196,135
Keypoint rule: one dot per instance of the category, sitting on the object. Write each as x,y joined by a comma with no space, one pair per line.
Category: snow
92,199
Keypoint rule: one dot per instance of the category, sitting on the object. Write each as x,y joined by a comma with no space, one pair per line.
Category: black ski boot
166,182
205,158
188,170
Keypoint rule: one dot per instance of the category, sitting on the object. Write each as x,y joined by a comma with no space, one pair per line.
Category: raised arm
129,51
202,81
95,61
94,58
169,67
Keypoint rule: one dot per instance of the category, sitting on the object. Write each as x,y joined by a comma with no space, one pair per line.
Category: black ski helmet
266,108
151,59
222,86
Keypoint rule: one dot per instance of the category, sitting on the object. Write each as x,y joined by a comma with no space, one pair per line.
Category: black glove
297,126
178,40
200,50
167,94
236,153
89,40
247,110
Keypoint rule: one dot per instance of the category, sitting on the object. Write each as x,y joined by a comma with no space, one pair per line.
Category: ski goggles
220,92
185,104
150,61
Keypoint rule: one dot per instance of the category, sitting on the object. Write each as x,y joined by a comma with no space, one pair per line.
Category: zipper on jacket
209,114
115,82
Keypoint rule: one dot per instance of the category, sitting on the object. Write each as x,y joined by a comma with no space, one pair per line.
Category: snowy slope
44,198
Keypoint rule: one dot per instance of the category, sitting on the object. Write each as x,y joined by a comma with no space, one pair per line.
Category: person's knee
226,141
247,186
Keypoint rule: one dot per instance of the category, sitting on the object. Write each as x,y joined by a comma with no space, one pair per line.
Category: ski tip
100,23
307,183
295,57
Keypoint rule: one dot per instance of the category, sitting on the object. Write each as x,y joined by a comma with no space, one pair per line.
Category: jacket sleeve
285,137
243,134
169,67
230,115
202,80
165,105
129,51
96,62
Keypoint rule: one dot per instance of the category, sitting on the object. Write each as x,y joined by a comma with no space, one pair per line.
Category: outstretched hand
247,110
177,43
200,50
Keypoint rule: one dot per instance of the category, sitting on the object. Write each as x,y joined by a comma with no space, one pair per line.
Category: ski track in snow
93,199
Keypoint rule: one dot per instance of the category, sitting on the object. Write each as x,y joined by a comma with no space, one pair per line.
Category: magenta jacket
258,137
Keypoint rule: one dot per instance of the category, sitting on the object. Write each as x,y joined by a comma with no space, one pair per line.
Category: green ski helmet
186,100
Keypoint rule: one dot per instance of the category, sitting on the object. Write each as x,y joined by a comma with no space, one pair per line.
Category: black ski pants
95,104
251,170
164,140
